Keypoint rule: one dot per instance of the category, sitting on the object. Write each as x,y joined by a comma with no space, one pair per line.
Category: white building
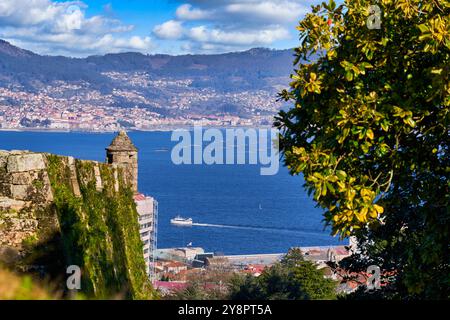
147,208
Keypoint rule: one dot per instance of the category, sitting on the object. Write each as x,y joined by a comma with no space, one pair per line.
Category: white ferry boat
181,221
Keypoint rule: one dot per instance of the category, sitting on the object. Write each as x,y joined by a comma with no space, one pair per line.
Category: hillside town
56,107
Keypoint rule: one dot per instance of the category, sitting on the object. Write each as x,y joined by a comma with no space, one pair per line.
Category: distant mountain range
168,85
256,67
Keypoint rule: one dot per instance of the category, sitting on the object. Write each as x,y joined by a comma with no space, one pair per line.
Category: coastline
158,129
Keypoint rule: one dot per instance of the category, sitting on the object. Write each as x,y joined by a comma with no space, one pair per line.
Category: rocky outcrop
57,211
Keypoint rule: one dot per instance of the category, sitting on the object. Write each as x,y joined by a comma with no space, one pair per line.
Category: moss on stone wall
99,229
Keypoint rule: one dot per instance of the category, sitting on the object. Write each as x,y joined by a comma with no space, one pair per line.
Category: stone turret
123,153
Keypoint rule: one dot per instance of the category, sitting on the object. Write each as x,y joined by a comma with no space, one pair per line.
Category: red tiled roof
255,268
139,197
341,251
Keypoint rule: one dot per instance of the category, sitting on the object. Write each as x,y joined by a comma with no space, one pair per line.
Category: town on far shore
89,110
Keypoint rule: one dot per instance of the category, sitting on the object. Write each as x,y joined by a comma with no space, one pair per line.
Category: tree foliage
291,279
208,284
369,130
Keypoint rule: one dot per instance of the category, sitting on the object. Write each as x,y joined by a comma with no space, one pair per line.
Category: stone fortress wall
56,211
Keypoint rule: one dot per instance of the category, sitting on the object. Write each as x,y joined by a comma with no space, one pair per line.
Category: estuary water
235,209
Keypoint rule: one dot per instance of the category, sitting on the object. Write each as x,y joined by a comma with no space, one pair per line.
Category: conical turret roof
121,143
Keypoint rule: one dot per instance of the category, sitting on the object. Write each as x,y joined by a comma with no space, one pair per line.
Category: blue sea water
250,213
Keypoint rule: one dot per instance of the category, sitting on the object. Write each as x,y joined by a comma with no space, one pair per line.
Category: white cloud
186,12
169,30
244,11
56,27
270,11
25,13
237,38
206,25
52,27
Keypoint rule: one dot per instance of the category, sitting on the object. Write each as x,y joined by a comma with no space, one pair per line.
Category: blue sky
89,27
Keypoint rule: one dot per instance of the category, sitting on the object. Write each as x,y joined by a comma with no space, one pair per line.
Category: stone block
7,204
19,191
73,177
22,225
46,189
3,159
25,162
21,178
98,178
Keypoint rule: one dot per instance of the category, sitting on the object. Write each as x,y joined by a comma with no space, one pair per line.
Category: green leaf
384,125
342,175
410,122
349,75
330,187
423,28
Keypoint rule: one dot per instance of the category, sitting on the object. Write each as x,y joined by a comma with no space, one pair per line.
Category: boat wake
258,228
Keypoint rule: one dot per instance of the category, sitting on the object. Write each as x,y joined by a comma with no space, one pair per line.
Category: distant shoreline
162,129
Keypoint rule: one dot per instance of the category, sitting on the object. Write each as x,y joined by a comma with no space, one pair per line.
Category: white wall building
147,208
